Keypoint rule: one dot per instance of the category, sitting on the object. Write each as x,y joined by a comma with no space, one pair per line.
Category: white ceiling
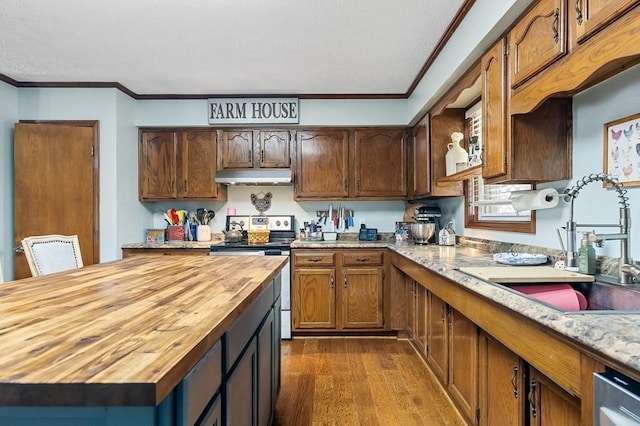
222,47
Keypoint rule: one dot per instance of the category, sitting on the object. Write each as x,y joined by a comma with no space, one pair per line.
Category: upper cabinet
593,15
322,164
533,147
538,39
177,165
599,44
350,164
494,111
242,149
379,163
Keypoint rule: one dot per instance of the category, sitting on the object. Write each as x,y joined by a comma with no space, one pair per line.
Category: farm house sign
253,110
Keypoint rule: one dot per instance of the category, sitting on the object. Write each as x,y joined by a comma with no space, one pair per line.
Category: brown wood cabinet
591,16
463,364
549,404
338,290
358,164
428,149
533,147
502,384
437,350
417,319
379,162
538,39
242,149
322,164
177,165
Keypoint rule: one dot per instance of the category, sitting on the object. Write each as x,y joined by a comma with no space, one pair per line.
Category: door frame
95,125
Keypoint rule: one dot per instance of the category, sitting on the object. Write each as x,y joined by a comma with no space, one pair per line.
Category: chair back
47,254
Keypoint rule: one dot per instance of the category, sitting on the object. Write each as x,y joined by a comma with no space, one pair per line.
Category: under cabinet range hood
254,177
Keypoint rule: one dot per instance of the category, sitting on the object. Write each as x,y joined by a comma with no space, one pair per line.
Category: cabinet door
593,15
362,297
421,160
422,325
274,148
157,166
322,164
437,313
266,354
198,165
314,298
549,404
236,149
463,364
502,379
410,287
537,40
241,389
494,125
380,166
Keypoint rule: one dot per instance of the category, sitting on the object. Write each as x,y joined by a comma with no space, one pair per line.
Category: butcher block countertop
122,333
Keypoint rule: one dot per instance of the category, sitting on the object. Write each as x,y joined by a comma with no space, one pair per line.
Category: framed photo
622,150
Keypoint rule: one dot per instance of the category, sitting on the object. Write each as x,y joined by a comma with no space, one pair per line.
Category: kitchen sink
602,298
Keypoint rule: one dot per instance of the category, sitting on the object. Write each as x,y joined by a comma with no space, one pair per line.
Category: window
488,206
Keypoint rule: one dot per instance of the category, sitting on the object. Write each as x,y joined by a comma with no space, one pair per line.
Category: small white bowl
330,236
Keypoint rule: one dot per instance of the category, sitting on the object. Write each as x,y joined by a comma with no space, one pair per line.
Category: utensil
209,216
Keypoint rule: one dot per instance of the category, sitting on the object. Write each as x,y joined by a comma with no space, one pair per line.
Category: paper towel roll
535,199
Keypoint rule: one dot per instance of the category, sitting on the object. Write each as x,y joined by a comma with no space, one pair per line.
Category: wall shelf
466,174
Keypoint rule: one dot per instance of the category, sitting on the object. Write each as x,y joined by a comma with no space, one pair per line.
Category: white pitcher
457,157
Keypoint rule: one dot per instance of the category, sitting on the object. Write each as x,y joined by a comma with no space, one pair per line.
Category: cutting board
526,274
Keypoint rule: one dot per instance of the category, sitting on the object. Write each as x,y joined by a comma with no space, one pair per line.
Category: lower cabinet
338,290
515,393
463,364
417,318
437,349
241,392
549,404
502,384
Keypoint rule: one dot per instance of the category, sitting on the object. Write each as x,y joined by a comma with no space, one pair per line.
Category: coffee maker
428,214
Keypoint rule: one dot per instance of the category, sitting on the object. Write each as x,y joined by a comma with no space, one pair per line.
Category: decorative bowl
520,258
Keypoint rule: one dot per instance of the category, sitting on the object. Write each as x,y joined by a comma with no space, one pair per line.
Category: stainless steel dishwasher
616,400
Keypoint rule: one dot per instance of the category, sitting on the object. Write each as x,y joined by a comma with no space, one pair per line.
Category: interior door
56,185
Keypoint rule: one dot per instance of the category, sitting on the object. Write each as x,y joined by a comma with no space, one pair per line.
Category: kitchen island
146,340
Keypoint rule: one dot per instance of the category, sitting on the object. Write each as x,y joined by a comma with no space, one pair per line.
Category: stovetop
281,232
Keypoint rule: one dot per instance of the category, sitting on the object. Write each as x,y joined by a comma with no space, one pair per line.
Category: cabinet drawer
315,258
199,385
358,258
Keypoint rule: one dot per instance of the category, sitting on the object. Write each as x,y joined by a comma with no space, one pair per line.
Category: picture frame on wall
622,150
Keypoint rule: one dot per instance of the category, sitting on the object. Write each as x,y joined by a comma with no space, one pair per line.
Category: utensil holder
203,233
175,232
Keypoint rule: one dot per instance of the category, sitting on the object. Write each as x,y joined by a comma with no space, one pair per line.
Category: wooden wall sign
252,110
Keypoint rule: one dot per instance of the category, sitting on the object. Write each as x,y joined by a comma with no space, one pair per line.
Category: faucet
627,270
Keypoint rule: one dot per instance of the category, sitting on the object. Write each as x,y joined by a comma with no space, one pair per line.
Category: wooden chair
47,254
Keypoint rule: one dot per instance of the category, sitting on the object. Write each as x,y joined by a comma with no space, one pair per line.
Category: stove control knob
278,223
286,223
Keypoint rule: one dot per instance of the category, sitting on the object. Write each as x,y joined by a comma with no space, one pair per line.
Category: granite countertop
616,336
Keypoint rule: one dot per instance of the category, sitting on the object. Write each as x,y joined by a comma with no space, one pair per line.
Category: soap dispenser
586,255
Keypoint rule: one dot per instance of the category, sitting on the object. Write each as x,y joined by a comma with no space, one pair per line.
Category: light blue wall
8,116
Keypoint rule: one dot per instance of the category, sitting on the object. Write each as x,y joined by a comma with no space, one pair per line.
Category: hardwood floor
359,381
